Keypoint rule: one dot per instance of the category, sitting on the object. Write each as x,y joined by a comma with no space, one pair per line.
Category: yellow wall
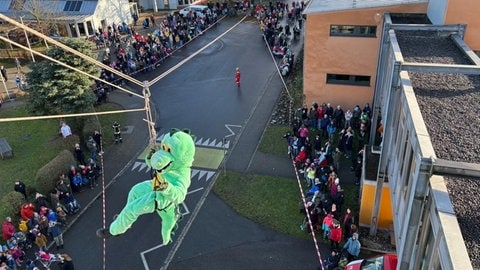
343,55
466,12
385,215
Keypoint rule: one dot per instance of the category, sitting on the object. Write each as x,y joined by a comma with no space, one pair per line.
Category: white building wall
149,4
113,11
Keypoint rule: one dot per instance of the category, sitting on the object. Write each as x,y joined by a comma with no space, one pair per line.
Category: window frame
356,80
357,30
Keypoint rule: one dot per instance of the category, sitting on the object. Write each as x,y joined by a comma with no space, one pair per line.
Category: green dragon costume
162,194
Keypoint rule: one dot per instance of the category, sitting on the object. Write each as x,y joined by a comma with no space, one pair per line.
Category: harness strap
164,208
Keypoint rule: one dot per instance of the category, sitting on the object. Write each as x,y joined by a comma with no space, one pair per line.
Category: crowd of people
130,52
339,136
42,219
278,31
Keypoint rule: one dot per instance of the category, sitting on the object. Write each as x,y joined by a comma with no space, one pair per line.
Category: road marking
196,173
184,213
229,127
206,142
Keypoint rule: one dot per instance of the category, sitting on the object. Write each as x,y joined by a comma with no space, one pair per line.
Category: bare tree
45,14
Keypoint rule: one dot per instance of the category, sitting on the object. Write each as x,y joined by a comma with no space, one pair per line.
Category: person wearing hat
352,246
117,133
237,76
21,188
57,234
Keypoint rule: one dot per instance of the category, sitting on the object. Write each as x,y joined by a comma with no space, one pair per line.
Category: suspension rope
70,67
40,117
71,50
161,76
146,97
152,133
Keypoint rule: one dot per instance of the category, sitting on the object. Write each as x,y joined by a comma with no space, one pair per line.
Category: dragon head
177,150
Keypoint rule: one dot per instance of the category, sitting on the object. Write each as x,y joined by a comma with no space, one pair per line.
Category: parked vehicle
381,262
200,10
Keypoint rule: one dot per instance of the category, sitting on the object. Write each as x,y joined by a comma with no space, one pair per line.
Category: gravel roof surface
464,194
450,108
448,102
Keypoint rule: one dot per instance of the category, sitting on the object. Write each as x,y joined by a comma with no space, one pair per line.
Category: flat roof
448,101
318,6
449,104
464,194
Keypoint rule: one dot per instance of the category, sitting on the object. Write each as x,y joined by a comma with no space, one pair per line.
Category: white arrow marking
209,175
212,143
136,164
202,173
143,167
206,142
228,126
194,172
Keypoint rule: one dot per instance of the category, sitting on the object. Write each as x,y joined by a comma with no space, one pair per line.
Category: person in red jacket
8,229
335,235
27,211
237,77
301,157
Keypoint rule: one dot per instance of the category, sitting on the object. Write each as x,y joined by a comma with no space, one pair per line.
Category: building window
72,6
348,79
353,30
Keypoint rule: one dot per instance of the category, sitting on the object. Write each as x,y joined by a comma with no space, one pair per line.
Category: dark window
348,79
72,6
78,6
67,6
353,30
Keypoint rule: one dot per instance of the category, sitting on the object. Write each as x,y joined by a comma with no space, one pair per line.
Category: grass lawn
271,201
267,200
36,142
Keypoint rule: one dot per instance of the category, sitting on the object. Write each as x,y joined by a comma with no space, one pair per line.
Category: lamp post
28,41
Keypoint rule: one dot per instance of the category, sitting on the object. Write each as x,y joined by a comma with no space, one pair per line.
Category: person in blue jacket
352,246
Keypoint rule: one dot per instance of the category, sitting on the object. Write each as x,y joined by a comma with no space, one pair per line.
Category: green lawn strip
273,142
33,142
36,142
270,201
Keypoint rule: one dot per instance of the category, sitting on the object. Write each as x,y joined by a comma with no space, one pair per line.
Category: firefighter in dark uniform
116,132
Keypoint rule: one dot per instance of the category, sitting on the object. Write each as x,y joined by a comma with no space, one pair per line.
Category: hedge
47,176
11,204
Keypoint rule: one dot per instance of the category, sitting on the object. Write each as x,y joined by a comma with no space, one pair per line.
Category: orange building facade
458,12
340,68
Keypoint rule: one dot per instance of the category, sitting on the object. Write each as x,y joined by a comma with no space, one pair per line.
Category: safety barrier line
319,255
308,215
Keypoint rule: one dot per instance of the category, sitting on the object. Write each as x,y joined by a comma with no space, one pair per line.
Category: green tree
55,89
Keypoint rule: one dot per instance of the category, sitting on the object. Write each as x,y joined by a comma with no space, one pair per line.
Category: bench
5,149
